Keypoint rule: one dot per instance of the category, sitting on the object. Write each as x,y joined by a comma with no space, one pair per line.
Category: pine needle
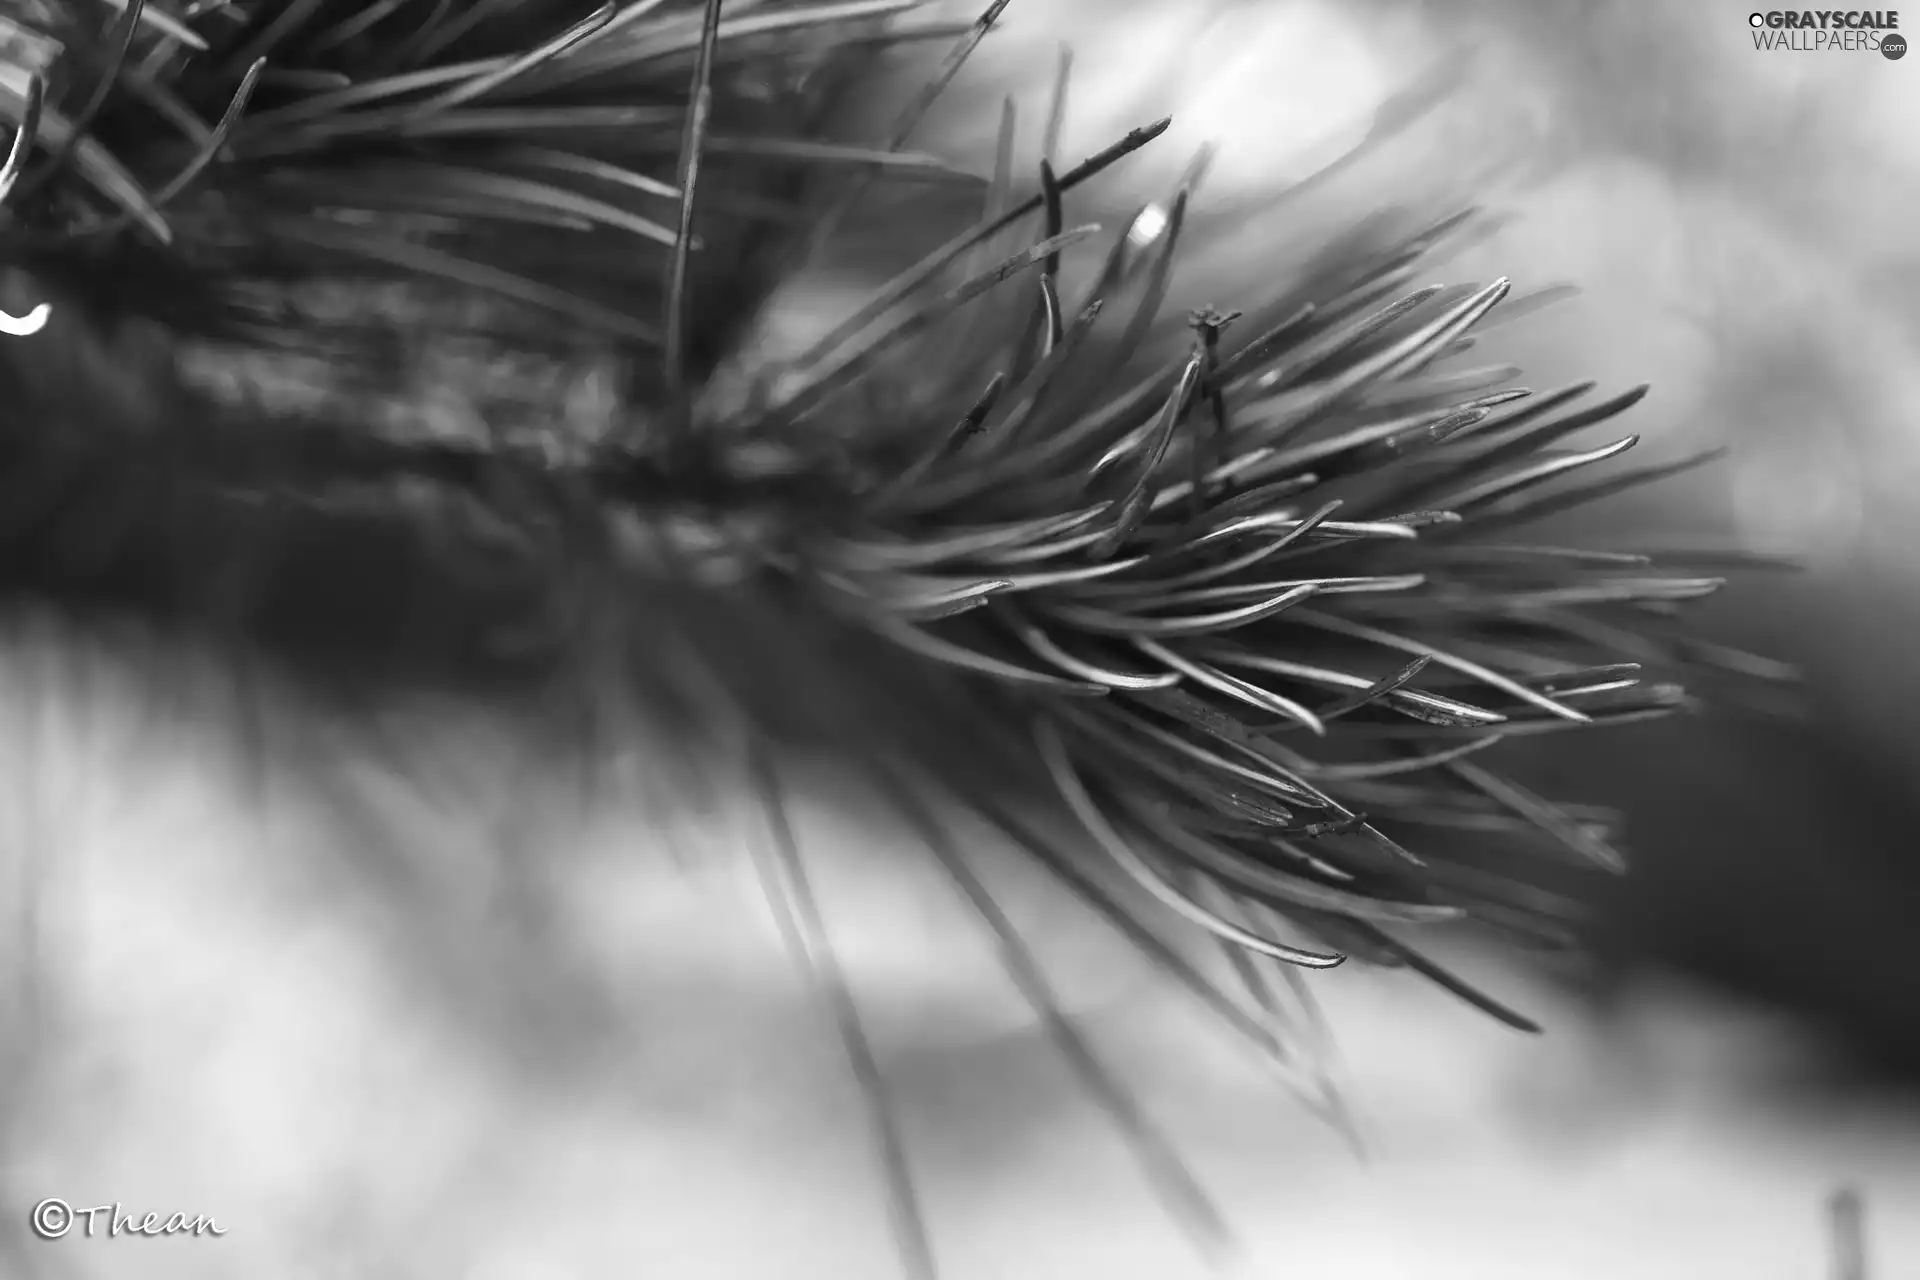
790,895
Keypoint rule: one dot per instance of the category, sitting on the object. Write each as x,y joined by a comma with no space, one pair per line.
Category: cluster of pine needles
1251,592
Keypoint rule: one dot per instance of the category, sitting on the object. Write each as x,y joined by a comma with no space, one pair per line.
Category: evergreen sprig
1249,593
1256,611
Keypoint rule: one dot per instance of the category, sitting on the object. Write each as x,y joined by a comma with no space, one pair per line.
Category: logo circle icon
51,1219
1756,19
1893,48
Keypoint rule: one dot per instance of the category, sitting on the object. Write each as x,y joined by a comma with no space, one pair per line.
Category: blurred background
253,1003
